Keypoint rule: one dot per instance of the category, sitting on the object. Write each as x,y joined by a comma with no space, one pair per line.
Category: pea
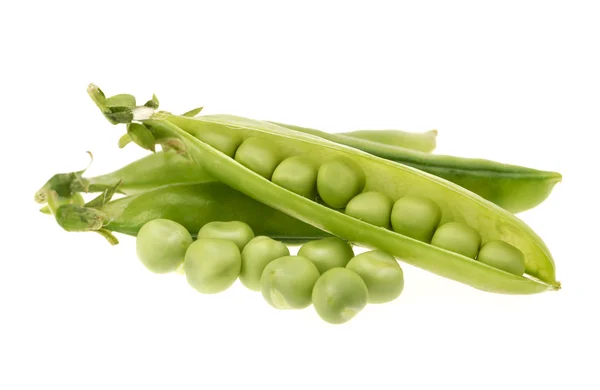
339,295
371,207
226,143
297,174
504,256
327,253
416,217
457,237
258,154
339,180
236,231
259,252
161,245
381,273
212,265
287,282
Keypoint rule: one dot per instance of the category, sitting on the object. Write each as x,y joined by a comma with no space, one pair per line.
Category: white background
517,81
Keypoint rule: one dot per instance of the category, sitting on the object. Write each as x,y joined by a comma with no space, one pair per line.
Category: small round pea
339,180
259,252
226,143
236,231
504,256
161,245
457,237
297,174
381,273
287,282
371,207
258,154
212,265
327,253
339,295
415,217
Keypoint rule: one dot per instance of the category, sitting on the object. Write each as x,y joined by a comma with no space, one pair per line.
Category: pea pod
191,205
511,187
392,179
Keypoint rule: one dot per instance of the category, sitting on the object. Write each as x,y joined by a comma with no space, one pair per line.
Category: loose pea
161,245
327,253
287,282
226,143
236,231
504,256
381,273
339,180
297,174
259,155
339,295
457,237
416,217
212,264
259,252
371,207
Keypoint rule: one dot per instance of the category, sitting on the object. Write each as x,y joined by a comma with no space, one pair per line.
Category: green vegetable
339,180
212,265
259,252
372,207
226,143
392,179
457,237
339,295
161,245
381,273
298,175
259,155
287,282
327,253
503,256
238,232
416,217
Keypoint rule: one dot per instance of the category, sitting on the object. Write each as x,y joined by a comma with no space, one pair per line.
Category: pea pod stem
456,203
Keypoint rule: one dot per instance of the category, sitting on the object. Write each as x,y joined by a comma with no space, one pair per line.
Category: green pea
226,143
287,282
212,265
236,231
381,273
259,252
161,245
297,174
457,237
339,180
416,217
504,256
327,253
258,154
339,295
371,207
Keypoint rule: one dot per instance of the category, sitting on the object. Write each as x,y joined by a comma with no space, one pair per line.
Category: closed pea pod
381,273
259,252
161,245
327,253
298,175
287,282
457,237
371,207
339,295
238,232
501,255
212,265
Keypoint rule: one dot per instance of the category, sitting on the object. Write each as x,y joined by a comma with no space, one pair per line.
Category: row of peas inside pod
325,273
340,184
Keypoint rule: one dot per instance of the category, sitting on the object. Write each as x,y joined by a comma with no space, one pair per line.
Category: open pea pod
392,179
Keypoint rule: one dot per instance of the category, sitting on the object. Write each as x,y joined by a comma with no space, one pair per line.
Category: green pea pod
394,180
511,187
191,205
